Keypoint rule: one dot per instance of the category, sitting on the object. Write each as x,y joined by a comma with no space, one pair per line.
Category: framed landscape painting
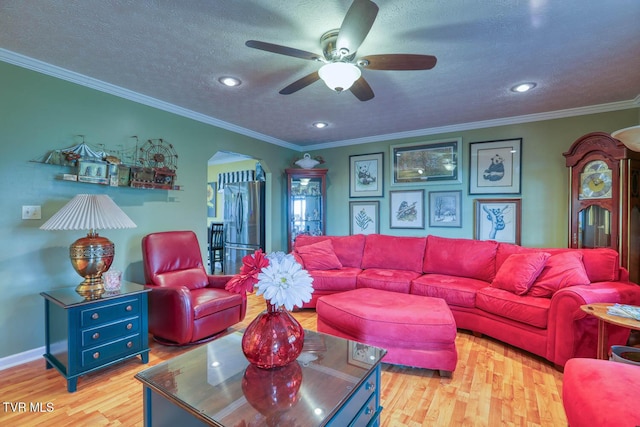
406,209
498,219
430,162
494,167
445,208
366,177
365,217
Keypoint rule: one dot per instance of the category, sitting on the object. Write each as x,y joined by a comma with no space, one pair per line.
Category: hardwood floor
493,385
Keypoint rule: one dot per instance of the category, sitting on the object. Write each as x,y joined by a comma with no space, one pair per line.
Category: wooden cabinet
306,203
86,335
604,207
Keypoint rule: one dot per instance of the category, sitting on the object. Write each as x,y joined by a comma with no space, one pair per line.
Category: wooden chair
216,246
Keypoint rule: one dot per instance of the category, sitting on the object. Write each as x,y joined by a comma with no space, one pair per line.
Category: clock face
595,182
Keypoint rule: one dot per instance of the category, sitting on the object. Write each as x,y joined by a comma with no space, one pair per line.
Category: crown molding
550,115
80,79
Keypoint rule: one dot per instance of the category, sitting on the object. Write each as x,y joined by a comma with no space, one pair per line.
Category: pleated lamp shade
91,255
89,212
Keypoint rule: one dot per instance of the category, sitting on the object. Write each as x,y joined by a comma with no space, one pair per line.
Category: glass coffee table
334,382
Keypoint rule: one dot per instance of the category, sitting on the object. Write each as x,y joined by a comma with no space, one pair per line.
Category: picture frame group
495,168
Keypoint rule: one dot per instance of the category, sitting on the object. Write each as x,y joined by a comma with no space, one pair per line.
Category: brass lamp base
91,256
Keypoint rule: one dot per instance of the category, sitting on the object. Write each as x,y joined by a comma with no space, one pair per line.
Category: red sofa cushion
519,271
458,291
319,256
529,310
561,270
393,252
386,279
601,264
343,279
348,249
461,257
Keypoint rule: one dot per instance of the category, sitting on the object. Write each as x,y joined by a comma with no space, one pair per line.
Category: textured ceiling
581,53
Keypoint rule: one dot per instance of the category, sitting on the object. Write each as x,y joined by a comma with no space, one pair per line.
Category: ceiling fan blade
300,83
282,50
356,25
400,61
362,90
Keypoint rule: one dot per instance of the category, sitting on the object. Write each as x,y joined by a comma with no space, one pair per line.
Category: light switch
31,212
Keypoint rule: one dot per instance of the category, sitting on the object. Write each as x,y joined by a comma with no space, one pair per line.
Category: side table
86,335
599,311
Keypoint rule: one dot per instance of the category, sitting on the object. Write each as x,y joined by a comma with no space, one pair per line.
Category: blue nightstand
86,335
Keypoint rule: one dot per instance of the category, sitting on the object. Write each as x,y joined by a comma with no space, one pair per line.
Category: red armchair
186,305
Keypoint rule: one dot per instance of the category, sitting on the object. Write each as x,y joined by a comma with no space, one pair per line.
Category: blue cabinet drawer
103,333
368,413
98,314
356,402
108,352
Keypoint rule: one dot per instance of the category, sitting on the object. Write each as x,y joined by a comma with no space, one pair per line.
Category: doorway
228,169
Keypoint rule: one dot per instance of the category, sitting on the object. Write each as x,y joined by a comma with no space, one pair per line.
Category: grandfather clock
604,208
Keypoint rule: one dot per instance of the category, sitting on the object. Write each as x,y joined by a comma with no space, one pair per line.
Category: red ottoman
600,393
415,330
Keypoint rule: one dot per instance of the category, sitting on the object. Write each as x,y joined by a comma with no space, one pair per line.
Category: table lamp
91,255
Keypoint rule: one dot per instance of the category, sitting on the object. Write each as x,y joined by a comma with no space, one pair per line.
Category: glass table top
216,382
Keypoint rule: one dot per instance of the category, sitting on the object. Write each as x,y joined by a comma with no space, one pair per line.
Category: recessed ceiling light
320,125
523,87
229,81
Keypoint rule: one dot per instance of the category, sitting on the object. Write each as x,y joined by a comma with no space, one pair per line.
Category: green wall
544,177
40,113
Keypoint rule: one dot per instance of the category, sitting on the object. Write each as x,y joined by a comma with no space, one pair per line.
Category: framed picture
94,171
361,355
494,167
498,219
364,217
431,162
445,208
211,199
366,176
406,209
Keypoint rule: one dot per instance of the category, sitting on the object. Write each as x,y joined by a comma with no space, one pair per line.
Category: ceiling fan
341,70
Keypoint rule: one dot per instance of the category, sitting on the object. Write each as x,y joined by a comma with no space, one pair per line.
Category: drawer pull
95,336
129,308
96,355
129,326
368,410
95,316
129,344
370,386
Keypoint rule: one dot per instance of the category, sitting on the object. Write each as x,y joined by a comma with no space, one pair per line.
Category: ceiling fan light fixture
339,76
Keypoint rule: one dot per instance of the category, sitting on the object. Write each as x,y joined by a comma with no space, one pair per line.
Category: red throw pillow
562,270
518,272
319,256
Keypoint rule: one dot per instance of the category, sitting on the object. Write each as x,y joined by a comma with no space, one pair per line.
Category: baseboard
20,358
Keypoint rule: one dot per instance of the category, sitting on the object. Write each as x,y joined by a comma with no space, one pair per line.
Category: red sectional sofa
526,297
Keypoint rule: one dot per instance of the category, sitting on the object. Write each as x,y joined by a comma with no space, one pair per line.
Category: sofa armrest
170,313
574,333
218,281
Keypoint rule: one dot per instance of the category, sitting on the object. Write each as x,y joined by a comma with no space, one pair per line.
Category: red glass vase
273,339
